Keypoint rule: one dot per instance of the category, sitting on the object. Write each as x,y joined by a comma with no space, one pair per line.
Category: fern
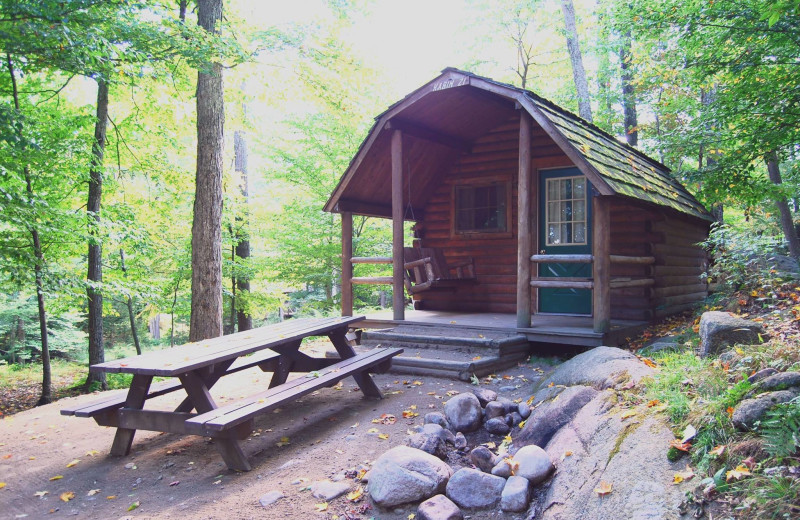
781,429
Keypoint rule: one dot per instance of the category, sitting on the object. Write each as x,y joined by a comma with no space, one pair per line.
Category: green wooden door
565,228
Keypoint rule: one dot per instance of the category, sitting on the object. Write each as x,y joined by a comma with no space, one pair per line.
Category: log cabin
521,209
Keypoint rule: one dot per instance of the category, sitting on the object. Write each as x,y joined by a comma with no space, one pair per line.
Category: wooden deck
546,328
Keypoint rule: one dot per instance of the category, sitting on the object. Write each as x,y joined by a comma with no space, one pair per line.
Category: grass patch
21,374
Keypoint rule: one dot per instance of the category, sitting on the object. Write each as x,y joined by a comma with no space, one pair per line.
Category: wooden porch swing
426,269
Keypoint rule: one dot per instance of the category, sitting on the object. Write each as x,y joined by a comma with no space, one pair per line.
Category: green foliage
781,429
742,257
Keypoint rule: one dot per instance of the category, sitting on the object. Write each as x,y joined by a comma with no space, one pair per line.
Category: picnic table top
191,356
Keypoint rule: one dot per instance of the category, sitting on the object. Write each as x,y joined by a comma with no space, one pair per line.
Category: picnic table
196,367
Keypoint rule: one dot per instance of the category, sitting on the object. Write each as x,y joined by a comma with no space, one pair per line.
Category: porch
545,328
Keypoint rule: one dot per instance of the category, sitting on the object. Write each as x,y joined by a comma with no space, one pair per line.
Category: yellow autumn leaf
383,436
412,516
522,424
627,414
372,430
111,497
355,496
57,477
682,476
73,463
2,485
66,496
134,505
283,442
603,488
418,383
92,492
321,507
736,474
413,407
717,451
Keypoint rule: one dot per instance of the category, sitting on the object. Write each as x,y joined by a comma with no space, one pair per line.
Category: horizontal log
669,249
669,281
683,261
555,284
562,259
677,270
622,259
371,260
675,229
642,282
674,309
631,314
634,237
668,301
372,280
678,289
417,263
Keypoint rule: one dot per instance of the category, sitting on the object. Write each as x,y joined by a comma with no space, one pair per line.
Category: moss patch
627,430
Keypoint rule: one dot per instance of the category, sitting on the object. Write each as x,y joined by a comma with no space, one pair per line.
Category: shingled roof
613,167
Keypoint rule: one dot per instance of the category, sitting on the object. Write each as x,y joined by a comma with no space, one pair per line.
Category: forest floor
57,466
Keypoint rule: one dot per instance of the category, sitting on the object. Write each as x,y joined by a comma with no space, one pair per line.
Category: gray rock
460,441
552,414
507,388
600,367
429,443
762,374
463,412
497,426
502,469
403,475
483,459
437,418
439,508
513,419
534,464
327,490
749,411
779,381
495,409
508,405
471,488
516,494
270,498
719,330
524,409
484,395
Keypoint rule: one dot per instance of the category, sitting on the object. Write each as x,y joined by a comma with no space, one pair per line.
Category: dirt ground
45,458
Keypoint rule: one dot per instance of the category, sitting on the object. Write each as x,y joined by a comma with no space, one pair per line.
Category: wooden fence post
347,264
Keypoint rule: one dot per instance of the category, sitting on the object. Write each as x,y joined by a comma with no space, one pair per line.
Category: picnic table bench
196,367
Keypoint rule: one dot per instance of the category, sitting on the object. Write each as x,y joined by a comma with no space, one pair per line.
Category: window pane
566,233
580,233
553,234
579,210
480,208
580,188
552,189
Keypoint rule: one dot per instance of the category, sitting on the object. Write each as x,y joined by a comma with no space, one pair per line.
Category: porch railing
414,265
616,282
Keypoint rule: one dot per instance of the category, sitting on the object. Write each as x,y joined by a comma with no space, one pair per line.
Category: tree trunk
95,256
38,268
242,238
628,98
578,72
182,5
206,314
787,225
129,304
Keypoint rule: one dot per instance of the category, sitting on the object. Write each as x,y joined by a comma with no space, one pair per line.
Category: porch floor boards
545,328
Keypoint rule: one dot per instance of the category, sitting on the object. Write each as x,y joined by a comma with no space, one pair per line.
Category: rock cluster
770,387
416,472
719,330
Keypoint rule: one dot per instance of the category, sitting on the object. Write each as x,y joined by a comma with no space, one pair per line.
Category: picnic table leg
363,379
227,446
137,395
285,363
210,378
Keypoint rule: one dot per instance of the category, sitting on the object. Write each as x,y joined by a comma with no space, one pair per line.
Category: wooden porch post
601,266
347,265
524,222
398,293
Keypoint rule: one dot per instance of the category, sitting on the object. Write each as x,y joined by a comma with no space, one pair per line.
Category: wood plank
601,266
563,259
137,395
372,280
398,275
620,259
642,282
674,290
524,250
561,284
153,420
371,259
230,415
428,134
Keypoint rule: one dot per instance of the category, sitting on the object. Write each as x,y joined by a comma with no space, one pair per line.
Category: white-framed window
566,211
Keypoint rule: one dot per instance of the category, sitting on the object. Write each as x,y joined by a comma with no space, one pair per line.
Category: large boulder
403,475
749,411
559,408
600,367
720,330
471,488
463,413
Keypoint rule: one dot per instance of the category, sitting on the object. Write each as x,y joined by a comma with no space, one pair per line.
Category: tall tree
95,254
206,313
244,318
628,97
578,71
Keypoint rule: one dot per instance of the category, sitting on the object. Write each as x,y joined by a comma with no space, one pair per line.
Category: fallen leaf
730,411
682,476
654,402
340,452
92,492
749,463
551,385
321,507
418,383
566,454
649,362
174,483
57,477
522,424
217,482
603,488
66,496
718,450
283,442
2,485
678,445
627,414
373,430
412,516
40,494
408,414
354,425
111,497
355,496
73,463
737,473
134,505
383,436
476,358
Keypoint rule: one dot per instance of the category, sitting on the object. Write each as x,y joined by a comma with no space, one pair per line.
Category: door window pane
566,211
